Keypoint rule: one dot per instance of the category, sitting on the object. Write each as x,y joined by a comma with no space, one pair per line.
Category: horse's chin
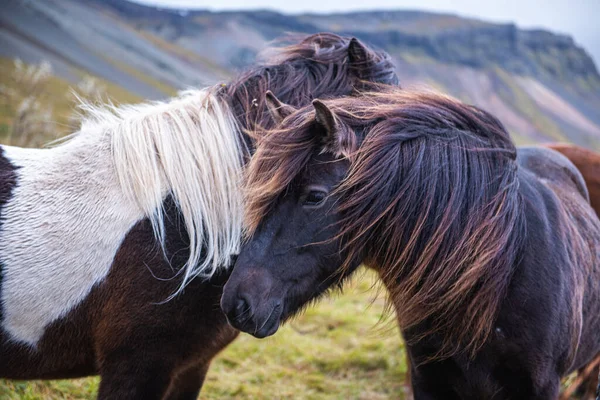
269,326
259,327
266,331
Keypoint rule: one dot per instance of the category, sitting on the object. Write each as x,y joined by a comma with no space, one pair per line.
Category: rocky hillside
541,85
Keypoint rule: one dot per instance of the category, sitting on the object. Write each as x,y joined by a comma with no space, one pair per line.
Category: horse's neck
82,166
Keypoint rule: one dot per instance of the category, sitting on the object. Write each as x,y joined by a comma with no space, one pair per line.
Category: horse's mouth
259,328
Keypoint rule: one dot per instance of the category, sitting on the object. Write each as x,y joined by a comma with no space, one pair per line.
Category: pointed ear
324,117
277,109
357,52
336,140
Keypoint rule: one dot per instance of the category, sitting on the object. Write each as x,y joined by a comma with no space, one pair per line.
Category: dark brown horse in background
142,346
491,256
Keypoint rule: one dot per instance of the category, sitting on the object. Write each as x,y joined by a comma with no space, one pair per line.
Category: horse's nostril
242,309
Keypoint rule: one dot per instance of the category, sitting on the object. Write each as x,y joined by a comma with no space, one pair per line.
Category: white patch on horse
61,229
74,204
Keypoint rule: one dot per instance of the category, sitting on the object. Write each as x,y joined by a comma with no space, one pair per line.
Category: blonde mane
191,149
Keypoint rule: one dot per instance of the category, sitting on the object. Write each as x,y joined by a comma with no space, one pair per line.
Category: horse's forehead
325,168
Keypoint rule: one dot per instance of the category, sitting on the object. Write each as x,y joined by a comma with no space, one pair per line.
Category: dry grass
37,107
25,96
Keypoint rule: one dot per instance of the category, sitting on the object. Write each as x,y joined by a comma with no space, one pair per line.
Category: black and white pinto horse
114,245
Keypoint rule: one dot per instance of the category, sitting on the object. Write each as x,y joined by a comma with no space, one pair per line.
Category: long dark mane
313,66
431,200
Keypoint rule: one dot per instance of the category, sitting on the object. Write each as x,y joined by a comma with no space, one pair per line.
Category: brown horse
588,163
491,256
115,245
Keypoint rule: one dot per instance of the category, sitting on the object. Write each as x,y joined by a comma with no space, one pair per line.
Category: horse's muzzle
249,304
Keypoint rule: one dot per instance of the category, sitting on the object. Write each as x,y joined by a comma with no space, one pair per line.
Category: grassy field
339,349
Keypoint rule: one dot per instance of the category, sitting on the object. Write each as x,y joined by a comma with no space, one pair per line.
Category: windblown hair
431,200
190,149
312,66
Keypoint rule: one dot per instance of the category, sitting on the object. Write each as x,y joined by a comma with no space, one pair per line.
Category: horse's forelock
281,155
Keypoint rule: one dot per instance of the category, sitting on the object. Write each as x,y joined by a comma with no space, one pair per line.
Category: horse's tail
588,163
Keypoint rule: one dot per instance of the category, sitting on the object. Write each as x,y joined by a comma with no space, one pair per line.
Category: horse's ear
324,117
336,139
357,52
370,67
277,109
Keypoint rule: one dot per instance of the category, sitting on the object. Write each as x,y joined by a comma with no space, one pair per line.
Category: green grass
338,349
77,389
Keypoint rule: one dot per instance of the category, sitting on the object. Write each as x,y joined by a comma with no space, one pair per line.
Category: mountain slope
541,85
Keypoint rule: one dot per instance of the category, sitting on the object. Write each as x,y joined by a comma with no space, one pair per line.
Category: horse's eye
315,197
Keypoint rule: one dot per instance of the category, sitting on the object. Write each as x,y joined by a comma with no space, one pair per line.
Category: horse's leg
430,383
432,392
186,385
130,377
434,389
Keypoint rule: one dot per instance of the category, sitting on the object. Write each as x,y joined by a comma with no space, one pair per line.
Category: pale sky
578,18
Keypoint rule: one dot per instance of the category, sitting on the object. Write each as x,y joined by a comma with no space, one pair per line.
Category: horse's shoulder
551,166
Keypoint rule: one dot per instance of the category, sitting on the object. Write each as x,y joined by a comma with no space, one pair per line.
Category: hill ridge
521,75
